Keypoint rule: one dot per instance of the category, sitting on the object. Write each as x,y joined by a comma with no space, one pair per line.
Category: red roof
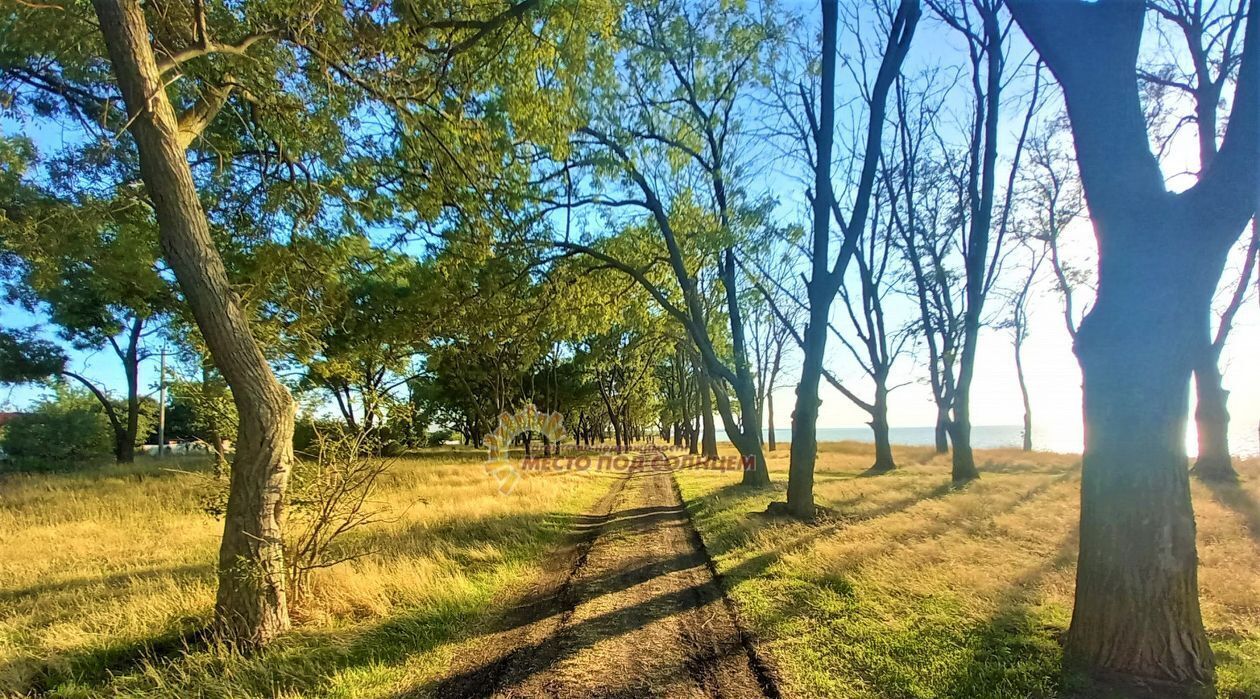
5,417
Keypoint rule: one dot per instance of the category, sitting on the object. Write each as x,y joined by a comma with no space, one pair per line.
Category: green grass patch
914,589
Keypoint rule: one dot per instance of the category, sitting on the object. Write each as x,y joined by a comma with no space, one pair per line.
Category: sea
1243,438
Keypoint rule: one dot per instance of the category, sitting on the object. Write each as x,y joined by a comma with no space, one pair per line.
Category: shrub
67,431
307,431
330,496
437,438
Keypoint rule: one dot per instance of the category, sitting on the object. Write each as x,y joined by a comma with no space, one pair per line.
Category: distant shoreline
1244,442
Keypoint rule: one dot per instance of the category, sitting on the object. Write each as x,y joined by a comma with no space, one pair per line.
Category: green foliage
90,259
198,409
25,358
65,432
437,438
307,430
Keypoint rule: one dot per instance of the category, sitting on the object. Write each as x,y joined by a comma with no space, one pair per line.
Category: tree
93,264
207,410
1161,255
252,606
1211,414
90,262
666,126
67,431
1052,193
1049,199
768,337
923,199
355,321
1210,35
457,94
1018,324
621,361
826,274
877,343
25,358
982,233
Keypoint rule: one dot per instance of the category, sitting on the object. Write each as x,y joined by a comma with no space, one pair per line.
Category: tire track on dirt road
631,608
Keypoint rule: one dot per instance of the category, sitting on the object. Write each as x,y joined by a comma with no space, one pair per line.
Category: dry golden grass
102,571
917,589
912,590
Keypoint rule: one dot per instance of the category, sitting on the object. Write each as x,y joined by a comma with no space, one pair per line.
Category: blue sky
1052,372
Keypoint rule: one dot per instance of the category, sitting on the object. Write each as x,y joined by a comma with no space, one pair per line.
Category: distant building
5,418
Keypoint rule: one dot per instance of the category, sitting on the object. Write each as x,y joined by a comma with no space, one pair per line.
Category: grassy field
104,573
914,589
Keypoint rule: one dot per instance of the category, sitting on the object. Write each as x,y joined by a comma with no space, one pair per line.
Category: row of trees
644,215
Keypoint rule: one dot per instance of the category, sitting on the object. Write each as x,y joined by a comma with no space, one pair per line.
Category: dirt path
630,609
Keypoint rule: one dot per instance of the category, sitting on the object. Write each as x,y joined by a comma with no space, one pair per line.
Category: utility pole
162,405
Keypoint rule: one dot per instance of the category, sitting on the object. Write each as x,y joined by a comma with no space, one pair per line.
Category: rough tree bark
1137,621
251,607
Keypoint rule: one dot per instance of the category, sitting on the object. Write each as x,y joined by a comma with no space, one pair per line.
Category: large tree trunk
708,440
748,442
771,440
617,436
942,430
252,605
127,447
879,427
1211,416
981,189
804,452
1160,257
1137,594
745,433
964,462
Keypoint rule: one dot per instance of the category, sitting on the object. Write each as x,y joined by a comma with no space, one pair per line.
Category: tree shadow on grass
756,565
525,661
17,595
112,656
305,660
98,665
1014,648
1015,652
832,520
1243,503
